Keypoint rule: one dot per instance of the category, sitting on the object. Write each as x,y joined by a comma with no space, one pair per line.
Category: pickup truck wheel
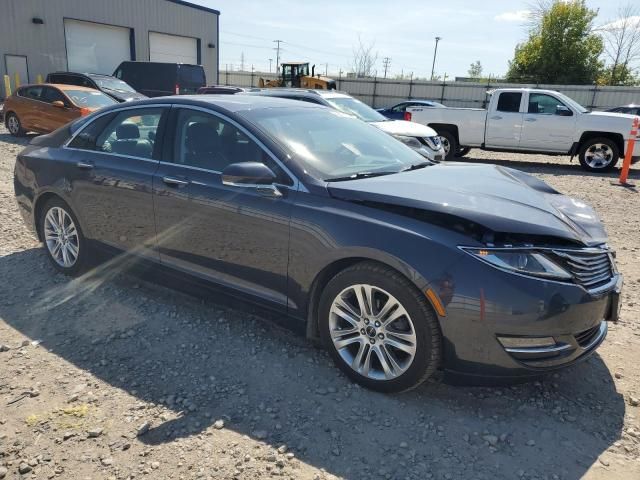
449,143
598,154
462,151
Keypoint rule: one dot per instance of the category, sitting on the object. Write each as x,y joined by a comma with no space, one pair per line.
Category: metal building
42,36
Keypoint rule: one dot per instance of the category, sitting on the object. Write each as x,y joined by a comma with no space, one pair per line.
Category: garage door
96,48
172,48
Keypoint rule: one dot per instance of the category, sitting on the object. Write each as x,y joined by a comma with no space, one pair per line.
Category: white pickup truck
532,120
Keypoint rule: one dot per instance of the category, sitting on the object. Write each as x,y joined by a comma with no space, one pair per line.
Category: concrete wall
44,45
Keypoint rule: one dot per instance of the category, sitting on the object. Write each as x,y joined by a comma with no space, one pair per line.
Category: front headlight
409,141
433,143
525,262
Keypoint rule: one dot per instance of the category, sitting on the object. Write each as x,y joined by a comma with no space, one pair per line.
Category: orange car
45,107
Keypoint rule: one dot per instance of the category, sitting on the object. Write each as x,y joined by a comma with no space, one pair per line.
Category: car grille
586,337
590,268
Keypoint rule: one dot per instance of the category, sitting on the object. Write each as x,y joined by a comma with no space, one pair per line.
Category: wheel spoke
407,348
52,221
390,304
73,250
356,364
345,342
366,364
395,366
344,311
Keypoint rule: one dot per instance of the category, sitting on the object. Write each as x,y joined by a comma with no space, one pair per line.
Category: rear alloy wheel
14,126
449,143
379,329
62,237
599,154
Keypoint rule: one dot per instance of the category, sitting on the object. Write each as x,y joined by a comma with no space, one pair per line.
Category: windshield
114,84
356,108
331,145
571,102
89,98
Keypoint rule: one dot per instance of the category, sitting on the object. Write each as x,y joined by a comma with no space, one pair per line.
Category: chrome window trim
297,184
114,154
98,115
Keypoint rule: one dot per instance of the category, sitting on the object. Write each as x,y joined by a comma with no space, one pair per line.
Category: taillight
84,111
177,89
407,116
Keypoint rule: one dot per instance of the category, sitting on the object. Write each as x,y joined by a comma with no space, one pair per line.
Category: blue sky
404,30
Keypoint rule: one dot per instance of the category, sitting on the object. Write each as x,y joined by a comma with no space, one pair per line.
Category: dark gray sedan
401,267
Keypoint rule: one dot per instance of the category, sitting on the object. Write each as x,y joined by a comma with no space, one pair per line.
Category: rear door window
509,102
132,133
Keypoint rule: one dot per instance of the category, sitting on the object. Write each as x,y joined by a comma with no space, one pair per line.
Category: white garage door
172,48
96,48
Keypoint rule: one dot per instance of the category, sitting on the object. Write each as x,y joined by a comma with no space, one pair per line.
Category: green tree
475,70
562,46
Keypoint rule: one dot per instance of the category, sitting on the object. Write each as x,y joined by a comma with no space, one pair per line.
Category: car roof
299,92
60,86
230,103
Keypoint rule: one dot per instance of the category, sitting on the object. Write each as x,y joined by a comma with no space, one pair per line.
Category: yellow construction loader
296,75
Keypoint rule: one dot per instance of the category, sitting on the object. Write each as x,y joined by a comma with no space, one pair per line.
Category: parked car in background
424,140
220,90
631,109
533,120
401,266
157,79
45,107
396,112
117,89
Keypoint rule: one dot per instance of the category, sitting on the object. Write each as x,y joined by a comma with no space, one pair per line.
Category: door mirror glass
58,103
563,111
248,173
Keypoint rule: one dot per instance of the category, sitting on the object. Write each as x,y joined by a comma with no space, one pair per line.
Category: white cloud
632,22
517,16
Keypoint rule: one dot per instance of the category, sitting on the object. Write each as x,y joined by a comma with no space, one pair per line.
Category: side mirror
563,111
58,104
251,175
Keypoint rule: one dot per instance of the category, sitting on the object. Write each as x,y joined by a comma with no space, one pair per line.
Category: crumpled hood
501,199
401,127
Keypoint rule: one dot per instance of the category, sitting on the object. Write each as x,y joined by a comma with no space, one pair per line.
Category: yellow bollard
7,86
39,79
17,80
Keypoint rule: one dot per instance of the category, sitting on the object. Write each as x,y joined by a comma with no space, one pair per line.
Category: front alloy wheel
14,126
599,155
379,328
372,332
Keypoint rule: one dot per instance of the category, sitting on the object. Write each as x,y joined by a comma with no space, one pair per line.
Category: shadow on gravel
559,169
206,361
6,137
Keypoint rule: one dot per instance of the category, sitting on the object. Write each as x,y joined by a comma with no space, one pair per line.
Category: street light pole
435,52
270,60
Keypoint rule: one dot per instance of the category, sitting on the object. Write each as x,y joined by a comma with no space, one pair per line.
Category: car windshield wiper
417,166
358,175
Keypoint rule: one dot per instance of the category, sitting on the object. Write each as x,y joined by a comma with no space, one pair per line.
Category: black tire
15,129
462,151
428,351
591,145
449,138
82,261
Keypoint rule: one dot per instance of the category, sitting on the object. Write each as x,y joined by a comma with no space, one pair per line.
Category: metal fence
379,92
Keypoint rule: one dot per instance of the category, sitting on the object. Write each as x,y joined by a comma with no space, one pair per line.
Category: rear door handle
496,117
84,165
175,182
529,119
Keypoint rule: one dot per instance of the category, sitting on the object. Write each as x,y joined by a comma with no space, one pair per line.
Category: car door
53,116
234,236
30,107
549,124
113,162
504,124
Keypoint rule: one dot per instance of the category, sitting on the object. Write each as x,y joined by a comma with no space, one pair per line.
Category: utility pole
242,62
435,52
277,49
270,61
386,61
326,69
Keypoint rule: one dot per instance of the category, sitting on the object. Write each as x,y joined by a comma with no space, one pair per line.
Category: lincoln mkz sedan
401,267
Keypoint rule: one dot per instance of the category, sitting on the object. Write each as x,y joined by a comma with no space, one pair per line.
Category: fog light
527,342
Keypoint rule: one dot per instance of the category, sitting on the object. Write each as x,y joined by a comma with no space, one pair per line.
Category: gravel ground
116,377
